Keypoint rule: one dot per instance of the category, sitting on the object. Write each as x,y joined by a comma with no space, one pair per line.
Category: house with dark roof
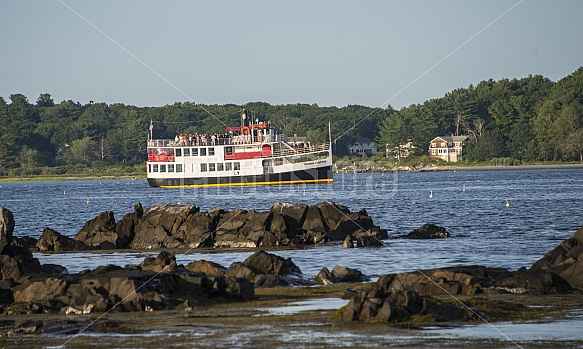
449,148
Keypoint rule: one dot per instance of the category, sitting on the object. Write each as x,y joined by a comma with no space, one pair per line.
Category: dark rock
428,231
262,262
159,223
17,261
206,267
325,277
26,242
125,228
6,228
238,270
98,230
52,240
344,274
565,261
165,262
397,306
53,269
533,281
362,238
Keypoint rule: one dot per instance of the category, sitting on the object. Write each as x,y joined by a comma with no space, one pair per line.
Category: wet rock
51,240
98,230
533,281
17,261
53,269
6,228
428,231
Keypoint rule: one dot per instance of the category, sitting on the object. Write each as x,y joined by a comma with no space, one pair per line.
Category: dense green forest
525,120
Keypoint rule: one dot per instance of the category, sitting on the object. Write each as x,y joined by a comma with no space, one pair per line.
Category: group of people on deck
202,139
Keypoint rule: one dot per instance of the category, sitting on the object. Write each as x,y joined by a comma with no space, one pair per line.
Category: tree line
528,119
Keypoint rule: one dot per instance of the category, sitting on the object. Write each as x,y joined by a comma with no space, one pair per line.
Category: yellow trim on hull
310,181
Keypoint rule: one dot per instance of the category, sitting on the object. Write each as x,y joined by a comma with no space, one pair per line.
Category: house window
434,144
433,151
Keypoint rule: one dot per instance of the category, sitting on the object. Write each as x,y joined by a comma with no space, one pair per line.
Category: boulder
325,277
98,230
345,274
379,305
125,228
262,262
160,225
565,261
428,231
26,242
165,262
6,228
206,267
52,241
362,238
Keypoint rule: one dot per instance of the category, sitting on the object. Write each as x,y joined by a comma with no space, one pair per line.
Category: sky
331,53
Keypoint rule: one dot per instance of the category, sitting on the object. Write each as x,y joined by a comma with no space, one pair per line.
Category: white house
448,148
362,146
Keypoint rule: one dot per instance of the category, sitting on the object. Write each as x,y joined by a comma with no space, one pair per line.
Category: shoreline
443,168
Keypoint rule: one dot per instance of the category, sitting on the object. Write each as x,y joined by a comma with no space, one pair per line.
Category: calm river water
545,208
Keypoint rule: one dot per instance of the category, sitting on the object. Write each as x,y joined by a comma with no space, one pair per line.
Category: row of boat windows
205,167
195,151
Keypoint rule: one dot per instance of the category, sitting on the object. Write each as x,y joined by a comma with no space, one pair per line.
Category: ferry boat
250,154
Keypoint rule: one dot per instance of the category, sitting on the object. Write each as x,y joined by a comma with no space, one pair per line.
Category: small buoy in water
376,185
87,202
64,193
414,202
431,194
298,188
150,196
114,200
464,188
325,194
507,203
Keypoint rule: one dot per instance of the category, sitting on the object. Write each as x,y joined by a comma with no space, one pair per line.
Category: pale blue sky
325,52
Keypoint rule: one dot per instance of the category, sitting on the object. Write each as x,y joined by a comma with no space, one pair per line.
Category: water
545,208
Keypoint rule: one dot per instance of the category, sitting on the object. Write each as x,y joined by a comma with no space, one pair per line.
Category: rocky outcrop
362,238
428,231
6,228
380,305
340,274
565,261
267,270
52,241
125,228
99,232
206,267
156,284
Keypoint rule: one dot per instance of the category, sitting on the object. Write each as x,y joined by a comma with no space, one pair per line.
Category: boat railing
162,143
299,150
